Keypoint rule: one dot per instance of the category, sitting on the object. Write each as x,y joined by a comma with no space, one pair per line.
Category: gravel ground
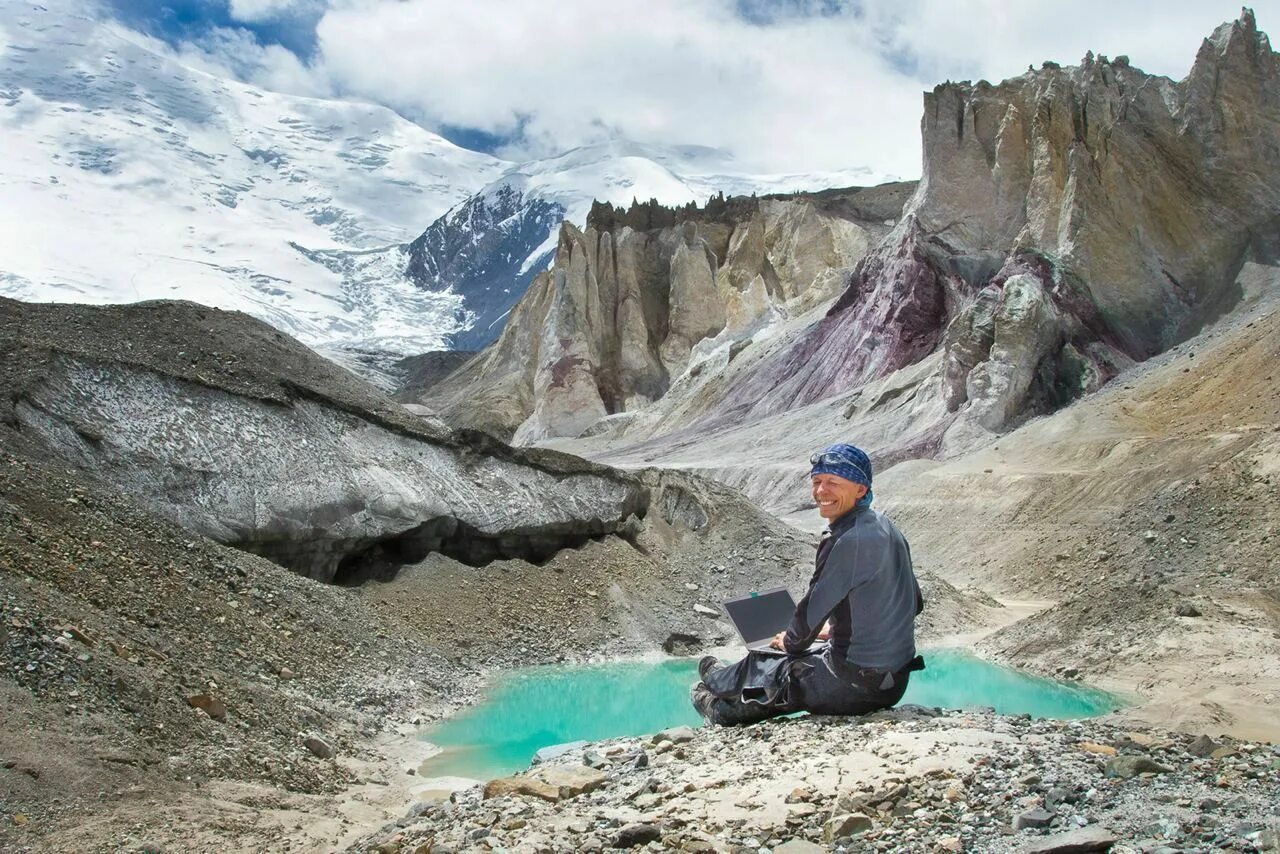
911,779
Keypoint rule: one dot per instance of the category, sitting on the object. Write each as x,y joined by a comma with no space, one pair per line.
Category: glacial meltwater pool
530,709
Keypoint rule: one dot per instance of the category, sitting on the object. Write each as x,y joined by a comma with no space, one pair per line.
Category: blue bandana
848,462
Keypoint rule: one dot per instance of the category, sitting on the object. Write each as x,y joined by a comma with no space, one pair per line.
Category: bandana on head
846,461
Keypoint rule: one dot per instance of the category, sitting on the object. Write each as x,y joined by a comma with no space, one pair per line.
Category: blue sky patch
176,21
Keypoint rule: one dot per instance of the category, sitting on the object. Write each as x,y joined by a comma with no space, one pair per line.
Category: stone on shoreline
518,785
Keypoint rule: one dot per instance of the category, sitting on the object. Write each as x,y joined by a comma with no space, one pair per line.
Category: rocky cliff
1069,222
639,297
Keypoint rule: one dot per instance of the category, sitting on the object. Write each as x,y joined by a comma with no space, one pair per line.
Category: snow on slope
127,175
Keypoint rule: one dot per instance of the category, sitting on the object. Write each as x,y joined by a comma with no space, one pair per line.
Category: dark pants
759,687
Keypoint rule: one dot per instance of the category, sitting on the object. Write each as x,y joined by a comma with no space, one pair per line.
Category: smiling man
863,598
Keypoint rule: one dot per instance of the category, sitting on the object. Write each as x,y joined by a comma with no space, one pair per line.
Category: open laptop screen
760,616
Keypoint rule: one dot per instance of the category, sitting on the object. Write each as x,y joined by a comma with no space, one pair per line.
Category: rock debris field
910,779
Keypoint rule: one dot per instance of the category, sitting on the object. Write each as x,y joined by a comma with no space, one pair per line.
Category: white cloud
802,94
236,54
996,39
260,10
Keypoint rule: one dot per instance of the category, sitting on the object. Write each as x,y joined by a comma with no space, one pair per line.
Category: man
863,597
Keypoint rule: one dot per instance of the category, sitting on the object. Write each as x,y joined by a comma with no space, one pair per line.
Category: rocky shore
911,779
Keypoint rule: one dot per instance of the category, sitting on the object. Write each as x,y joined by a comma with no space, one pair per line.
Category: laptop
760,616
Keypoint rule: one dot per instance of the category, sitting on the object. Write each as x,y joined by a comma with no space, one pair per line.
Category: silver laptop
760,616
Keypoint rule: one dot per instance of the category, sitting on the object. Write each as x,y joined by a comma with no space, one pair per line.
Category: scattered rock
705,611
1203,746
1126,767
951,843
1186,609
1100,749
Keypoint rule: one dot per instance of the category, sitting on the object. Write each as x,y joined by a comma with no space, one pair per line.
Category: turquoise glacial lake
530,709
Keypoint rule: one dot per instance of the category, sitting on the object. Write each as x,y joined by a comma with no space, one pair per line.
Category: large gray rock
234,432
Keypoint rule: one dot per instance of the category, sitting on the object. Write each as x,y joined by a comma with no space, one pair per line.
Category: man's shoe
706,664
702,699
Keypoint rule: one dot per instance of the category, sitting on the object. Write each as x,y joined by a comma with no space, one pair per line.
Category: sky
786,86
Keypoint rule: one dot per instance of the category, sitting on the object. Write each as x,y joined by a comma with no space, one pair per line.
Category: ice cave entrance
527,710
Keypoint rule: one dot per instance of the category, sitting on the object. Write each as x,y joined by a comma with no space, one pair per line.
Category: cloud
808,86
996,39
260,10
786,85
236,54
804,93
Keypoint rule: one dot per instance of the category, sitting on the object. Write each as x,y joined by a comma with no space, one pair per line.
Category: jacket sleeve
828,589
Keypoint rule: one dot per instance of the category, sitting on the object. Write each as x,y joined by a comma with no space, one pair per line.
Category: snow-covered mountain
488,248
128,175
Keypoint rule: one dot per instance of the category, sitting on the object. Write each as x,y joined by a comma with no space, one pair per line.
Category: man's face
835,495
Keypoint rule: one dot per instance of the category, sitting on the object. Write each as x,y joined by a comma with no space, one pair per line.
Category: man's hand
825,634
776,643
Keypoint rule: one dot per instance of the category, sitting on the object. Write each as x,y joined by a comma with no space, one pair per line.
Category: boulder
799,846
210,705
569,782
633,835
521,785
850,824
1079,841
319,747
1127,766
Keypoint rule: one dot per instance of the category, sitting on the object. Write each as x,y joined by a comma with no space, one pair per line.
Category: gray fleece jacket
865,586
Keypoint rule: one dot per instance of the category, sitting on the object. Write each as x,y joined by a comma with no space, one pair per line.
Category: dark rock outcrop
483,249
